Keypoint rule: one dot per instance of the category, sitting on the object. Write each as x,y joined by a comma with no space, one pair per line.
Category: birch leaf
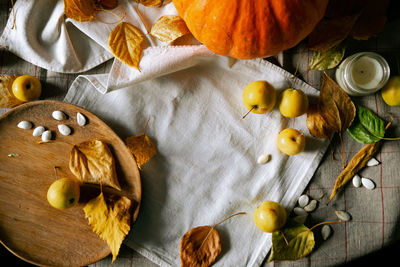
141,147
300,242
169,28
328,59
80,10
126,42
110,219
92,162
7,98
200,246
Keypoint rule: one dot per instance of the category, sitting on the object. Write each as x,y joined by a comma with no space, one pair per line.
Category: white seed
262,159
303,200
64,129
59,115
356,180
26,125
38,131
344,216
81,119
326,232
368,183
299,211
46,136
372,162
300,218
312,206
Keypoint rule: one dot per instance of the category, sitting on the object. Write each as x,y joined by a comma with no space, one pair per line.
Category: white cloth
205,169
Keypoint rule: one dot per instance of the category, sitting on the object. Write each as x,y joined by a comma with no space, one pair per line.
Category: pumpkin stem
245,115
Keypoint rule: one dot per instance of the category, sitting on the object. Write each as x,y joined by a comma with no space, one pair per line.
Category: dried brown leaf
316,124
153,2
108,4
93,162
141,147
126,42
110,218
359,160
7,98
335,105
329,32
169,28
372,20
200,246
80,10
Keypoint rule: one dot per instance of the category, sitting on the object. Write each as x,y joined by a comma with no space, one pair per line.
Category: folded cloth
206,168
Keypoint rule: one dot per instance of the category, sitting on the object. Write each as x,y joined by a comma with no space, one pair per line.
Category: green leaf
328,59
300,242
367,128
374,124
358,132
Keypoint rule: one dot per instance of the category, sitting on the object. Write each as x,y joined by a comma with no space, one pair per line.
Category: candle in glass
362,73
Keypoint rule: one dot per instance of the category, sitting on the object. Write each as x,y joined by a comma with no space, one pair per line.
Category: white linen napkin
206,167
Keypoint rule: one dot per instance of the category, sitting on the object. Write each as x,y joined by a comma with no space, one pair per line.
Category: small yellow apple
270,216
63,193
391,92
293,103
259,97
26,88
291,141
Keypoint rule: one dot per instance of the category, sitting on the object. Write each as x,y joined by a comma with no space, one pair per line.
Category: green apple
291,141
259,97
63,193
26,88
270,216
293,103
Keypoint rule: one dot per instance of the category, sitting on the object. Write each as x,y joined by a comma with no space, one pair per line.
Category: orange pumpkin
250,28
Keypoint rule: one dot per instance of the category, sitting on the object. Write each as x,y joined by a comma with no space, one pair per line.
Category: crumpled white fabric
206,167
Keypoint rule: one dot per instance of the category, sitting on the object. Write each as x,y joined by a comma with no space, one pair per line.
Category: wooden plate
29,227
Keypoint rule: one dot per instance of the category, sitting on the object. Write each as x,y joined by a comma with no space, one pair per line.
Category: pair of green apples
260,97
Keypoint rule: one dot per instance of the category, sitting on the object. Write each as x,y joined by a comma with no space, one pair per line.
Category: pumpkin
247,29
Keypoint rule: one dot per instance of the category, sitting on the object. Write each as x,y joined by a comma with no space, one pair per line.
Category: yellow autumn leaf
153,2
169,28
92,162
7,98
80,10
126,42
141,147
110,219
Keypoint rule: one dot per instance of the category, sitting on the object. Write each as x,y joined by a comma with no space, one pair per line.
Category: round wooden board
29,227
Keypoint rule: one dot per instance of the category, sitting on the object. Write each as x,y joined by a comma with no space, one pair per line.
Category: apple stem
245,115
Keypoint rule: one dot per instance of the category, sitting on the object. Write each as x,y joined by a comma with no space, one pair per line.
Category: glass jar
362,73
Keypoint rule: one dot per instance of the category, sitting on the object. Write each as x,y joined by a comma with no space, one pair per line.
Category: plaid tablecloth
375,213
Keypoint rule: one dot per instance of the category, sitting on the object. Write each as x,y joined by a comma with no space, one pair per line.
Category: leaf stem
215,225
339,221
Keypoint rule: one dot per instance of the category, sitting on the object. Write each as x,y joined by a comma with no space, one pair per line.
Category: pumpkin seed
312,206
26,125
38,131
326,232
46,136
303,200
262,159
299,211
81,119
300,218
344,216
368,183
59,115
64,129
372,162
356,180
